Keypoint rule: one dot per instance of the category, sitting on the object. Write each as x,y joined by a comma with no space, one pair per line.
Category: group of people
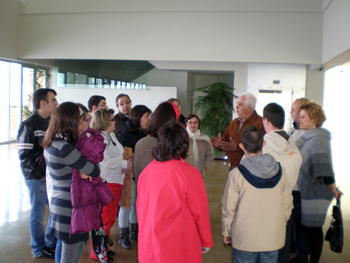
153,165
56,141
280,184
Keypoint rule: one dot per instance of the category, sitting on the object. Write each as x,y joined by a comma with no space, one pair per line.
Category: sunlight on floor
14,197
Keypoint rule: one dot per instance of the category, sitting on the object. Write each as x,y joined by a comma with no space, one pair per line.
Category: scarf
197,136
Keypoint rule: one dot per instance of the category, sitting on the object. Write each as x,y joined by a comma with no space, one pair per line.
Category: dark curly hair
172,143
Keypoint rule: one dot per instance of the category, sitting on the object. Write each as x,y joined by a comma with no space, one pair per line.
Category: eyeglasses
87,120
192,122
102,105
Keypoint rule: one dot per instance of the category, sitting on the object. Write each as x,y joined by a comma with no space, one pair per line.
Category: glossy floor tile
15,209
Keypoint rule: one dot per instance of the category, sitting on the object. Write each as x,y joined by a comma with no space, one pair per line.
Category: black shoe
298,260
110,253
134,229
124,238
53,247
47,253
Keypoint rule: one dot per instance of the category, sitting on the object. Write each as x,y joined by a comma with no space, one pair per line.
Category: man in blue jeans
30,136
257,203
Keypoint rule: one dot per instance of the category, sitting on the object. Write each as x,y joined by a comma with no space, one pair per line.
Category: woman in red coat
172,204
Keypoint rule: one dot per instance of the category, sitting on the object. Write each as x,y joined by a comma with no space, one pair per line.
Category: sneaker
47,253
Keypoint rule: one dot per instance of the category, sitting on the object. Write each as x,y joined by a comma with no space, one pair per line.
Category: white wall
315,86
240,70
82,6
192,31
150,97
168,78
336,22
292,79
9,39
202,80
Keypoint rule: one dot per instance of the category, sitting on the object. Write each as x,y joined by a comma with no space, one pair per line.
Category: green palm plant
40,76
215,108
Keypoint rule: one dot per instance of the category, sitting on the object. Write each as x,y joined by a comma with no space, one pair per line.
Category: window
17,83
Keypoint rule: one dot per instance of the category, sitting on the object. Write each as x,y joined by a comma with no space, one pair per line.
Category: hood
278,143
319,132
261,171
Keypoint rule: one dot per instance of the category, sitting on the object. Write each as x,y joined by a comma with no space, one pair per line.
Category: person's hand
205,250
216,141
338,194
229,146
129,161
227,240
84,176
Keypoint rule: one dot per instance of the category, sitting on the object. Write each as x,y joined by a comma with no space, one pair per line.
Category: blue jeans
38,201
240,256
58,251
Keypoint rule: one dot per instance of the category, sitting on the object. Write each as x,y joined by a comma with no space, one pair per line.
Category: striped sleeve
74,159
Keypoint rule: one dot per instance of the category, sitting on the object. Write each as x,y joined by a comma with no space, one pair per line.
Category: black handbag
335,233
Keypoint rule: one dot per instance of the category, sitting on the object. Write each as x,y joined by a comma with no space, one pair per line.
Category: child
257,203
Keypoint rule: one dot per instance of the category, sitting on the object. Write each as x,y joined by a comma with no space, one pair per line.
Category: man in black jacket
29,140
124,105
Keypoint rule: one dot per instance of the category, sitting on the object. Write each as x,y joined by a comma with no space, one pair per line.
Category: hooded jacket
88,196
173,213
282,147
256,205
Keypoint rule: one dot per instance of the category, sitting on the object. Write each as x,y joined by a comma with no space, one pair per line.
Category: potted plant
215,108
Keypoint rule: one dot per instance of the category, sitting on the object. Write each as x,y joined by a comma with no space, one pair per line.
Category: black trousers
315,238
300,239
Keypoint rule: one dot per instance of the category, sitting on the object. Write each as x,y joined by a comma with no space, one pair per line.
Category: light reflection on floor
13,194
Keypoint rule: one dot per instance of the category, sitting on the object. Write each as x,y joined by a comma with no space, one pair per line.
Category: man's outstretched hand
216,141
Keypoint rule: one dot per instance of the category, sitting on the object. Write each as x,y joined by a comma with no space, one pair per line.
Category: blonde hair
100,120
315,112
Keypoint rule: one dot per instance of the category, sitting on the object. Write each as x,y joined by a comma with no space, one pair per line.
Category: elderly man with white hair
247,116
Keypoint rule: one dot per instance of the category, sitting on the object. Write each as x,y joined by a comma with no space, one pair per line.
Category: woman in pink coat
172,204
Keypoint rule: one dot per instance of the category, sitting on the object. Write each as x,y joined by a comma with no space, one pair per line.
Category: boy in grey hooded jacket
257,203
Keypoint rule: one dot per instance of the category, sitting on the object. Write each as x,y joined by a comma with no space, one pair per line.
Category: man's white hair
250,99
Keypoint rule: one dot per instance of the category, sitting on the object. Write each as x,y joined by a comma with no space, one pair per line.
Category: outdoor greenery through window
17,82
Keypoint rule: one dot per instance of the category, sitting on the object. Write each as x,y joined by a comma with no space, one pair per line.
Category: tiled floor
15,208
